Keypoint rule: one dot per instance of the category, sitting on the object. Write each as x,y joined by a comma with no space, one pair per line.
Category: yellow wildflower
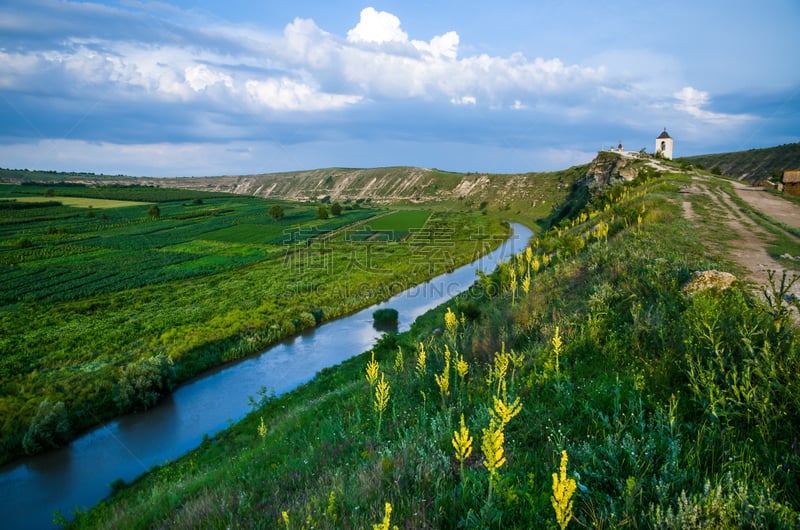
503,411
372,370
563,489
462,442
381,395
387,519
262,429
450,322
421,366
462,367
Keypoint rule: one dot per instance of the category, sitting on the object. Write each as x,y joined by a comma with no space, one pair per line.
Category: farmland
395,226
177,281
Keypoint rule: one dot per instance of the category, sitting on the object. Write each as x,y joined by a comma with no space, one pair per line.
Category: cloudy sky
209,87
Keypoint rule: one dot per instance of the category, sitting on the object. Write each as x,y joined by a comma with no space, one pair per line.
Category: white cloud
377,27
692,101
200,76
287,94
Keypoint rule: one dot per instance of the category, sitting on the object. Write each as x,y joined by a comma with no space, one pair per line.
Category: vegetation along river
78,475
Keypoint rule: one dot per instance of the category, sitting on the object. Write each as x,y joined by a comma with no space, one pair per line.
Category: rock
608,169
704,280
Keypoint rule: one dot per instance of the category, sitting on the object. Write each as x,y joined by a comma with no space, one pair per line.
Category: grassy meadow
106,306
584,383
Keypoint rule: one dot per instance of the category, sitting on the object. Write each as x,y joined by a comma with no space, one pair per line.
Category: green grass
676,411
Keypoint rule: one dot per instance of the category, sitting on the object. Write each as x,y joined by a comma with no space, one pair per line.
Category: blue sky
157,88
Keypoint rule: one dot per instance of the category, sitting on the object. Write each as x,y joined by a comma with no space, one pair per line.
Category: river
78,475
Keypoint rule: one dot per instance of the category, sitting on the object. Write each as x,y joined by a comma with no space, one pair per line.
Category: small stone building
790,182
664,145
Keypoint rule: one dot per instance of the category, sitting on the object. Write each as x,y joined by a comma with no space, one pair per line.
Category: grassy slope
675,411
752,165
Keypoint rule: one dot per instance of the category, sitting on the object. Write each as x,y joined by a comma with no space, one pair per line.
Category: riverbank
125,448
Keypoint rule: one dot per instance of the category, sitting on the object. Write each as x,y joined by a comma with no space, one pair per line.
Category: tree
322,212
154,212
336,209
276,212
48,428
142,383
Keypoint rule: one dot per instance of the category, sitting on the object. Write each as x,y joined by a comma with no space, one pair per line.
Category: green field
89,297
82,202
395,226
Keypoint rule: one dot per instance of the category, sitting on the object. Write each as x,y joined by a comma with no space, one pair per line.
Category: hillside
604,377
389,184
753,165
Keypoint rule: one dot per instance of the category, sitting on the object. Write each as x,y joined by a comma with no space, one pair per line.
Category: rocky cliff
610,168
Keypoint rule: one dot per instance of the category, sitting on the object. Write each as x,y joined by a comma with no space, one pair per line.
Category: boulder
705,280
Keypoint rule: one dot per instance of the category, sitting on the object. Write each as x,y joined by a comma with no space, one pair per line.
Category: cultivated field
104,309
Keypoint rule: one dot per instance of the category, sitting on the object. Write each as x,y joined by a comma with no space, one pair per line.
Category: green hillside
591,381
753,165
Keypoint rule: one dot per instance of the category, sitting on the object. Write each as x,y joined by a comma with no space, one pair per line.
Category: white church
663,146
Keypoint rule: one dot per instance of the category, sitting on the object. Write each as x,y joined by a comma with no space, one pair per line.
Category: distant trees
322,212
336,209
276,212
154,212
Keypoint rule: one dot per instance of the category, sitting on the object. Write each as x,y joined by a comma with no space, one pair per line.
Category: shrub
142,383
386,315
48,427
306,320
319,315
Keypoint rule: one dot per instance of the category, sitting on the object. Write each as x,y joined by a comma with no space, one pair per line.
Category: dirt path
779,209
746,240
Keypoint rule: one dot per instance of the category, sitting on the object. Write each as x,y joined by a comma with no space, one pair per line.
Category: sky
178,88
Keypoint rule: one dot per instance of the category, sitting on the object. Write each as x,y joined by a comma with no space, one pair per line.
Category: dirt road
747,240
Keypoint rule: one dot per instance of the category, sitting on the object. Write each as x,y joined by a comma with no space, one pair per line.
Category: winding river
78,475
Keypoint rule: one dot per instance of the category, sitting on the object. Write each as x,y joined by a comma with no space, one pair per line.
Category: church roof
664,135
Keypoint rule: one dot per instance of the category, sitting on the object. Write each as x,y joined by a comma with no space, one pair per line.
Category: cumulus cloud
378,27
691,101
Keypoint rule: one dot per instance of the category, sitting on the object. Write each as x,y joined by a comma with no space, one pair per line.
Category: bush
49,427
385,316
319,316
142,383
306,320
